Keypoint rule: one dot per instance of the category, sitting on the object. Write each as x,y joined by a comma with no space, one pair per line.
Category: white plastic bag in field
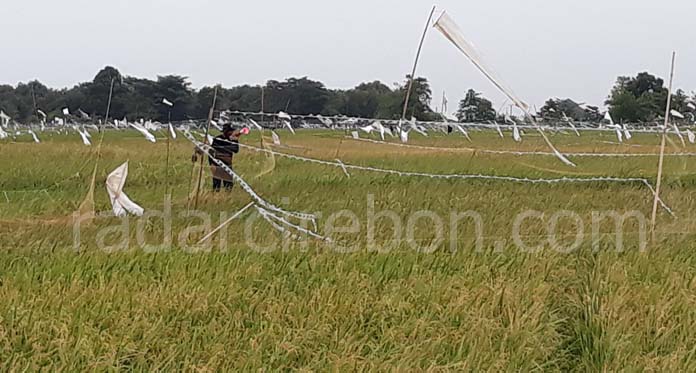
119,200
150,137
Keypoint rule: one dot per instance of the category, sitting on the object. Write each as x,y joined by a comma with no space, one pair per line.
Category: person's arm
234,146
231,146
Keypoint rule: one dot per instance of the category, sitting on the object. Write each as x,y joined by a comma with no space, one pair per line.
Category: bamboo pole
660,163
207,131
263,98
108,104
235,216
166,163
33,99
415,63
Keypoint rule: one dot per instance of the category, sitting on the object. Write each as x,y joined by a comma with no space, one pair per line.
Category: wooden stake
33,99
662,152
262,99
108,105
188,198
415,63
166,164
207,131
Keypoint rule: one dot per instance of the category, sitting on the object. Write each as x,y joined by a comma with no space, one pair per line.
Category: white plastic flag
284,115
676,114
420,130
355,134
287,124
276,139
367,129
627,133
150,126
119,200
691,106
33,135
691,136
150,137
215,124
463,131
380,128
66,111
172,133
256,125
676,130
167,102
497,127
570,122
85,138
404,135
516,133
619,135
608,117
4,119
3,134
417,128
325,121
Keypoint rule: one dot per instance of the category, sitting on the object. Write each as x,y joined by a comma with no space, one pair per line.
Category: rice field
394,292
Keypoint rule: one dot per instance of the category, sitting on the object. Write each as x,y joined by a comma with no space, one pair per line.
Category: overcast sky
540,48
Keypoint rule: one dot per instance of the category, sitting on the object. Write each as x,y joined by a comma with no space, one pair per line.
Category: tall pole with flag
169,105
660,163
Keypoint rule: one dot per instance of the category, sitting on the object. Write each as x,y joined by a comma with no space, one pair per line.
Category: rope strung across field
205,149
520,153
345,166
276,221
561,125
261,205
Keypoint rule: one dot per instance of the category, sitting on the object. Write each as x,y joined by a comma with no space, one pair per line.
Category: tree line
632,99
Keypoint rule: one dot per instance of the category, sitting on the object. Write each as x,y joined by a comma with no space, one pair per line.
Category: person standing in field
224,147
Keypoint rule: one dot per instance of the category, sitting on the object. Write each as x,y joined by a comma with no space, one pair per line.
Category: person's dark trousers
218,184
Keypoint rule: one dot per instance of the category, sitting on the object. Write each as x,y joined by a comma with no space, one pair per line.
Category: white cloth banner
451,31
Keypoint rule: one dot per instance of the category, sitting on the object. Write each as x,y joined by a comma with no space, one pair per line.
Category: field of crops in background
310,305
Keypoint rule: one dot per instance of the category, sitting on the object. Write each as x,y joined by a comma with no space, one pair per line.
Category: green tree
364,100
555,108
178,91
391,103
475,108
637,99
296,96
